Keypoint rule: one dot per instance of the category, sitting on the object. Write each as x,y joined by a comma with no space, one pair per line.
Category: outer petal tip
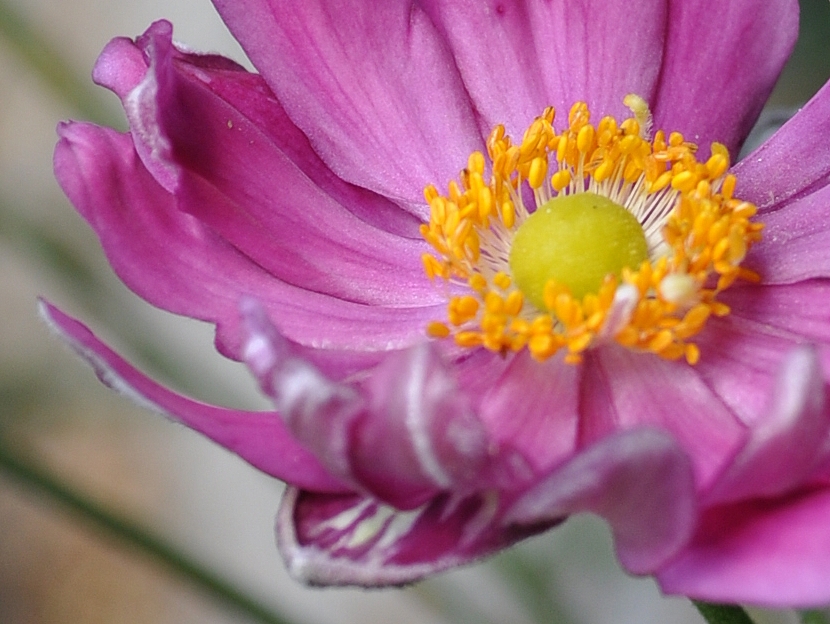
639,481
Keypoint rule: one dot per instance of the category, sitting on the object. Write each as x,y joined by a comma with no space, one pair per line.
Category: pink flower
284,207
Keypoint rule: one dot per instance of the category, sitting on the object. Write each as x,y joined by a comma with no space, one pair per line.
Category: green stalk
816,616
721,613
42,481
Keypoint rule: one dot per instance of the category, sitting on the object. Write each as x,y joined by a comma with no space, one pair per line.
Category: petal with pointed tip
259,438
640,481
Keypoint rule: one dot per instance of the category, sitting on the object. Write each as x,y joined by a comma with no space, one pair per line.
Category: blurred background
58,565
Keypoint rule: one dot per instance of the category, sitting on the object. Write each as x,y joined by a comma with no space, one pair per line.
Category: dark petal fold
404,433
351,540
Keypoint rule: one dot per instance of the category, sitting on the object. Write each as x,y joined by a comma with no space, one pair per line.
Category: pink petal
534,409
230,150
795,161
772,553
516,58
794,310
260,438
177,263
789,441
624,390
739,362
721,61
406,435
350,540
640,481
795,241
371,84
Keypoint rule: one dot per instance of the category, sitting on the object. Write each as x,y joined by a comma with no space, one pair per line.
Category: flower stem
721,613
45,483
814,617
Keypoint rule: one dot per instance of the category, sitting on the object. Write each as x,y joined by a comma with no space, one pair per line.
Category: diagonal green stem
814,617
48,63
722,614
42,481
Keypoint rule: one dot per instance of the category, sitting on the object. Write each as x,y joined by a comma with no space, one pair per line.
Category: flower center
576,241
627,239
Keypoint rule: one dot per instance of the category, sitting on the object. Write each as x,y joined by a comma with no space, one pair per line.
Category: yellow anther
560,179
476,162
698,235
502,280
477,282
437,329
468,339
538,171
508,214
684,181
585,139
604,171
494,302
514,303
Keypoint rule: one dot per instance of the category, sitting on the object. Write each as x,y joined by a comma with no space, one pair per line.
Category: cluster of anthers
696,231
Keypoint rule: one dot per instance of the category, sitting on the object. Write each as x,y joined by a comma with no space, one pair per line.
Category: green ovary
575,240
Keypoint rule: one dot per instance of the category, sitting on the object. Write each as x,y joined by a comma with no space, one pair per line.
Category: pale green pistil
575,240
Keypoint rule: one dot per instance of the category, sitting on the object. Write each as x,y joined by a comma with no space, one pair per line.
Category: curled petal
640,481
318,412
352,540
418,435
404,433
259,438
180,264
789,442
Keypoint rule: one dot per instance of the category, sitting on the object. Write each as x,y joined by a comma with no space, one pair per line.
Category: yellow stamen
697,234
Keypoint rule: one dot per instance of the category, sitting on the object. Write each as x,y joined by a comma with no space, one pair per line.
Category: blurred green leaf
48,63
722,613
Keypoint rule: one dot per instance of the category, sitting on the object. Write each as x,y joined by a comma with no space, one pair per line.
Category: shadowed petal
639,481
260,438
351,540
772,553
721,62
372,85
